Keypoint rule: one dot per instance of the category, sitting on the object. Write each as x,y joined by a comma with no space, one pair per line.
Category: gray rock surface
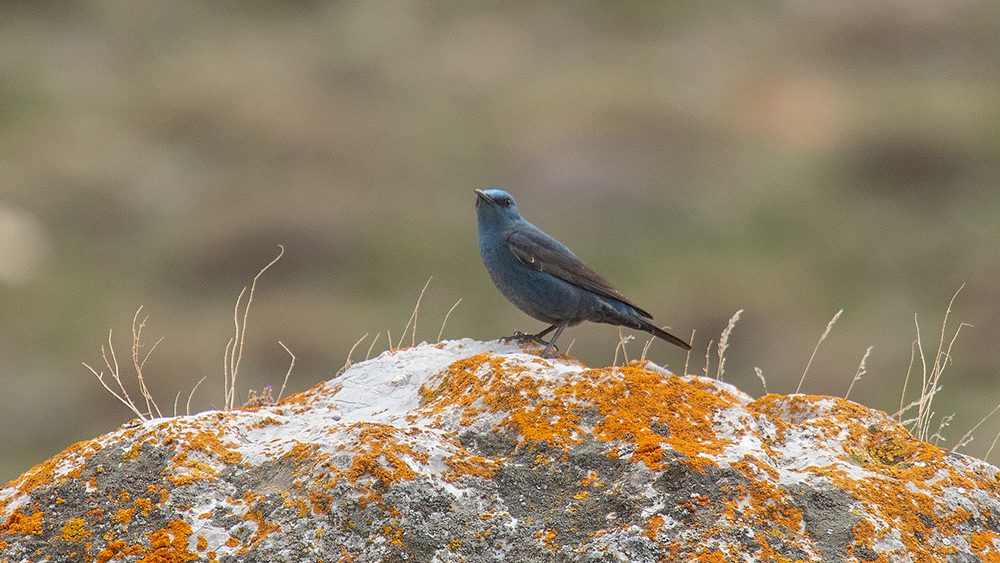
476,451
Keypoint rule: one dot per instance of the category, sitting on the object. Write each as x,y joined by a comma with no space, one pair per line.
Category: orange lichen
266,421
18,523
306,396
264,528
299,504
169,545
392,533
302,451
44,473
984,544
164,493
367,495
632,403
250,498
38,476
133,453
904,479
463,463
110,551
552,422
194,470
74,531
378,454
653,526
897,502
548,537
209,442
320,502
766,502
864,533
123,516
644,417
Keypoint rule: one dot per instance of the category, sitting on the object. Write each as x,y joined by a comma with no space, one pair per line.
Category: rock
477,451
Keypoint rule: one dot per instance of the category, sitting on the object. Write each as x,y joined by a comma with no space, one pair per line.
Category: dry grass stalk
724,343
931,380
348,363
234,349
760,376
136,344
860,373
906,380
993,445
968,435
708,355
374,340
287,373
445,321
687,357
646,349
622,341
187,408
114,371
944,423
826,332
413,319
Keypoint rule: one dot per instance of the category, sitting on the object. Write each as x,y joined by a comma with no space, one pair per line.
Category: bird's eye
507,202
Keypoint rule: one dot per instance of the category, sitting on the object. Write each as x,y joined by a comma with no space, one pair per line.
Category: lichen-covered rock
472,451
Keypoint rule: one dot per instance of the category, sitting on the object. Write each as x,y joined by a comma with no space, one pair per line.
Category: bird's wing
543,253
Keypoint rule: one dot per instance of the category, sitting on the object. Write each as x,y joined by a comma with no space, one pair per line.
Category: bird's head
495,207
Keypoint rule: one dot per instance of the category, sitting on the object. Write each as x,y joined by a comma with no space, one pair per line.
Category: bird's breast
539,294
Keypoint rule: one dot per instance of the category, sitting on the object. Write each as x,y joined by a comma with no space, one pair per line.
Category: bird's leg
522,337
551,344
538,338
546,331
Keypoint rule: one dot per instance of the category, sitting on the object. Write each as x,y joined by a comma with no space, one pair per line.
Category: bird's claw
522,338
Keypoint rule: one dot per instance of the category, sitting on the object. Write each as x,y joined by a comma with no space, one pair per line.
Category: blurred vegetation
786,158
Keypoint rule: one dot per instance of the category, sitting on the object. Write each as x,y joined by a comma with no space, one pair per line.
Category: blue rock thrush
545,279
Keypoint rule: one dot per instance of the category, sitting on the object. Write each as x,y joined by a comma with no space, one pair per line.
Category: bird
543,278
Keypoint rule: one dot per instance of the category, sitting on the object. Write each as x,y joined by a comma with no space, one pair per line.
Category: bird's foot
522,338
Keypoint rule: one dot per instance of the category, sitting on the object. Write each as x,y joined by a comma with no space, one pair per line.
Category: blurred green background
786,158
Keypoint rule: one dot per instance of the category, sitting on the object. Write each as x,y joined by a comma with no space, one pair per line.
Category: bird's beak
481,196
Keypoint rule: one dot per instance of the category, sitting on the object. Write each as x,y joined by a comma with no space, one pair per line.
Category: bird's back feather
541,252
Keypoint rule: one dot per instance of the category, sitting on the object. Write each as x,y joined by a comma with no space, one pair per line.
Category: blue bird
545,279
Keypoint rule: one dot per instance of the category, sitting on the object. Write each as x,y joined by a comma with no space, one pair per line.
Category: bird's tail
662,334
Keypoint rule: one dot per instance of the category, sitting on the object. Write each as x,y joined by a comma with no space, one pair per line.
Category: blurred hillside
788,158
